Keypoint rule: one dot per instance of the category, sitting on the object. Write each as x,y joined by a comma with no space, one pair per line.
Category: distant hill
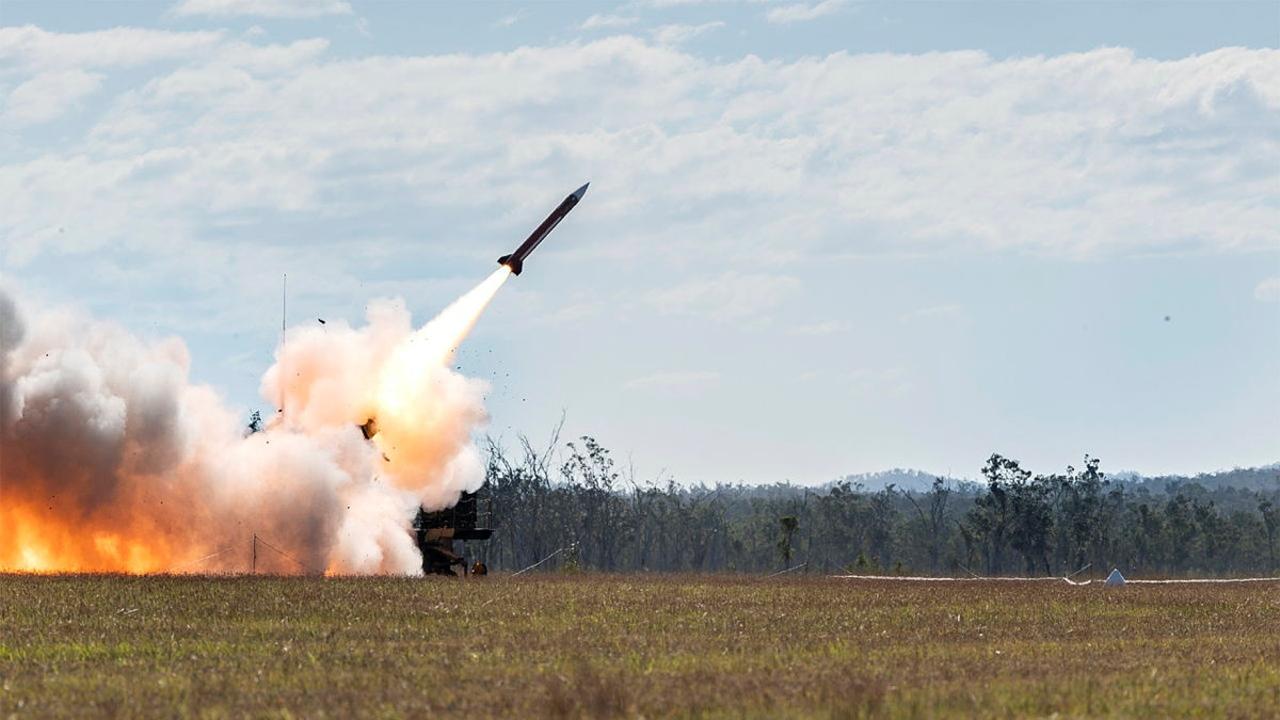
1266,477
901,478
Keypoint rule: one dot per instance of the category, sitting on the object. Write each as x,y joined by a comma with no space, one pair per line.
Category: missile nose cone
577,194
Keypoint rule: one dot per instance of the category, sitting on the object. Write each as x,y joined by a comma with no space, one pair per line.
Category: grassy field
592,646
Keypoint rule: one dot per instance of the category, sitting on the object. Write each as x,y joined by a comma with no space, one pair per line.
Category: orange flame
38,542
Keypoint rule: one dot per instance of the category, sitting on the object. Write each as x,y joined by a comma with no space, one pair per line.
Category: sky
821,238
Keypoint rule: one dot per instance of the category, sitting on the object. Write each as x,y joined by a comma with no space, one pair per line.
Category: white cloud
1268,290
661,4
598,21
39,49
803,12
678,379
728,296
701,163
507,20
264,8
48,95
271,59
676,34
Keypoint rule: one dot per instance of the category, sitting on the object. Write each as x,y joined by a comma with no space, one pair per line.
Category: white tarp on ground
1115,579
1203,580
1125,581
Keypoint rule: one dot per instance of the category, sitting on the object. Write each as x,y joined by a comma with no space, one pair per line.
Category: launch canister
515,260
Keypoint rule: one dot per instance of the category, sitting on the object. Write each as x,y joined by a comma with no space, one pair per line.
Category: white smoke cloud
111,459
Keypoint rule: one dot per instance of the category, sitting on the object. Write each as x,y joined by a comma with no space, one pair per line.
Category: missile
515,260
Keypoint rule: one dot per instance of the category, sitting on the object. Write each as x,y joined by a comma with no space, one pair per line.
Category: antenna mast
284,311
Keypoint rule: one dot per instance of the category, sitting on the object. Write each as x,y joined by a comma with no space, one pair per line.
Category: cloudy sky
821,237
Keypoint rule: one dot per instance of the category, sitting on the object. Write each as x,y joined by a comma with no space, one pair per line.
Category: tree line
572,506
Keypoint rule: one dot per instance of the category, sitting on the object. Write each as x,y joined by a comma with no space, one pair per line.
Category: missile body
515,260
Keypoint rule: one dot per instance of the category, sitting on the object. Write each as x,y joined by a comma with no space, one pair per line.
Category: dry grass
631,646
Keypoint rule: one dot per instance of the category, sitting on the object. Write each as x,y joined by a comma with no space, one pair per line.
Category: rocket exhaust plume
112,460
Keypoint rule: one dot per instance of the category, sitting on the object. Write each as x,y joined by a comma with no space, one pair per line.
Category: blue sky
821,237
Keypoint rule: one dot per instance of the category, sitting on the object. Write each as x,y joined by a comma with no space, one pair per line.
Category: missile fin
515,265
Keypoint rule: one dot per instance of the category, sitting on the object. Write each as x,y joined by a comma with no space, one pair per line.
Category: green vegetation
599,646
1014,523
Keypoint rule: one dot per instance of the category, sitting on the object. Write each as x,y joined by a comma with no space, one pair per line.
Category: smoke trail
111,460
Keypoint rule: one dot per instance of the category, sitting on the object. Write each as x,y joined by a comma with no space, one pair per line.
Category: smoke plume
112,460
